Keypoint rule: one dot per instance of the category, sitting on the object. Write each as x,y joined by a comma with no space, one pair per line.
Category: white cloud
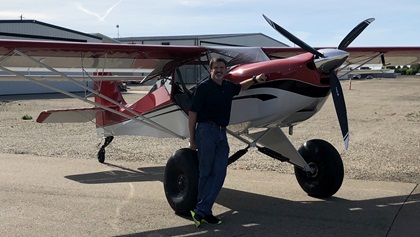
95,14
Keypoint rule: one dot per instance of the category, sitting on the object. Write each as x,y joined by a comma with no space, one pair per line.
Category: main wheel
327,171
181,180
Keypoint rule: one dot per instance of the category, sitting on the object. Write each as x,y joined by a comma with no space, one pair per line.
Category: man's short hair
213,60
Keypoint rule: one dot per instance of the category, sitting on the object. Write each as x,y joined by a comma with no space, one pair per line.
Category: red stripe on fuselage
300,67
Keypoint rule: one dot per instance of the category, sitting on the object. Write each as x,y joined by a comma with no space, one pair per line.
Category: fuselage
294,92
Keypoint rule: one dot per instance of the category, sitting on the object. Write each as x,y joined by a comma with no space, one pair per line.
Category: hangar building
252,39
36,30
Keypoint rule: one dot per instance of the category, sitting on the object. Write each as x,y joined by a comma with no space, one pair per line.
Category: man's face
218,71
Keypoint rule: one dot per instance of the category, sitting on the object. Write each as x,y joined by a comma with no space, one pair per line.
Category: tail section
108,89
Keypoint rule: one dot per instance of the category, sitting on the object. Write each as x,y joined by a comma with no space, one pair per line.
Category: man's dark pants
213,152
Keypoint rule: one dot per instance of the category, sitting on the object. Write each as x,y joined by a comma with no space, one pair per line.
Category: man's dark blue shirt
212,102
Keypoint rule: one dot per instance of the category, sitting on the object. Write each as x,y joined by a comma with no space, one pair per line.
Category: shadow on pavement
252,214
121,175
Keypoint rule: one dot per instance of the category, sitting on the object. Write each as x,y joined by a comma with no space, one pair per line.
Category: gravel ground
384,121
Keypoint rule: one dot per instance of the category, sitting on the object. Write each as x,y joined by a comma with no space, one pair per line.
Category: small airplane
299,81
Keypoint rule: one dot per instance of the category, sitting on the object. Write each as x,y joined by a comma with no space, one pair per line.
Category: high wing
56,60
82,61
106,62
387,56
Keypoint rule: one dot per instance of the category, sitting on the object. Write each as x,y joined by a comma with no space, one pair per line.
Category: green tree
416,68
403,71
411,71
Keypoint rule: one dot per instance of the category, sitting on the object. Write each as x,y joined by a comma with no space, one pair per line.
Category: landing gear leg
101,152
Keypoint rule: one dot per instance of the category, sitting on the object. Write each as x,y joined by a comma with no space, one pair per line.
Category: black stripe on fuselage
167,112
263,97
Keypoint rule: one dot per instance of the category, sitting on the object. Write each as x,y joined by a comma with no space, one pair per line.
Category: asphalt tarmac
45,196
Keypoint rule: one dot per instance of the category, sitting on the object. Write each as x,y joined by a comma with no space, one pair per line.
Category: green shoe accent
196,218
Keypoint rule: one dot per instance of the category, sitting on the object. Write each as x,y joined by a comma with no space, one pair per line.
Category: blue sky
317,22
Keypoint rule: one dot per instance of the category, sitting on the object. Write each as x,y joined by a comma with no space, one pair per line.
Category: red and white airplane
299,81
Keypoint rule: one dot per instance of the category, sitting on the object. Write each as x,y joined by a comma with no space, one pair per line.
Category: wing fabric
393,56
82,60
131,61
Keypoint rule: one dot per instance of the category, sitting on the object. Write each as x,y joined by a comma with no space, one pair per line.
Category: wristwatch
254,79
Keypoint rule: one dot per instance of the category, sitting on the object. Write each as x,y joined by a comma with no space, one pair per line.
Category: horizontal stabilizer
79,115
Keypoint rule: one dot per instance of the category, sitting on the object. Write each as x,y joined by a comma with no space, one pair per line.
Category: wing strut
143,120
361,65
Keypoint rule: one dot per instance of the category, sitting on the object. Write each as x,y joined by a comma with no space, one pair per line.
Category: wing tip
43,116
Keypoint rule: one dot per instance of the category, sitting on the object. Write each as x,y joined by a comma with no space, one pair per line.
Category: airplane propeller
352,35
293,38
327,62
340,107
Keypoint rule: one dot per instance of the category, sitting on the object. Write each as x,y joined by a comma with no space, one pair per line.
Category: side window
185,79
162,82
168,84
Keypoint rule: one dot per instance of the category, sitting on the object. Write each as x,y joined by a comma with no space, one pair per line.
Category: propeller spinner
327,61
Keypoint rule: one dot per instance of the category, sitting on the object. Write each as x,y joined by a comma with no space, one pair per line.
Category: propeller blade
340,107
293,38
354,33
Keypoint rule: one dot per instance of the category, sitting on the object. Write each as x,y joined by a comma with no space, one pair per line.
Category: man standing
208,117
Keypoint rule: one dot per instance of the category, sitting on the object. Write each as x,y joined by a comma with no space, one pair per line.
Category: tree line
406,70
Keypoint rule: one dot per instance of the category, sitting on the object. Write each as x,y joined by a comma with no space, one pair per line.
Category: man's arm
192,120
251,81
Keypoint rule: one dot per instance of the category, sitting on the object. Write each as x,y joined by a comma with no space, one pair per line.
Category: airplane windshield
236,55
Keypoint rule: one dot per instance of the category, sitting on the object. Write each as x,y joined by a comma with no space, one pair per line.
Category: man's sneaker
196,218
212,220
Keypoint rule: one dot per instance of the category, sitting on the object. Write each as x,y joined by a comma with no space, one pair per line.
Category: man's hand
193,146
253,80
192,120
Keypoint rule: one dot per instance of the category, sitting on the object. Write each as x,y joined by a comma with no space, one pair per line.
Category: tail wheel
181,180
327,171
